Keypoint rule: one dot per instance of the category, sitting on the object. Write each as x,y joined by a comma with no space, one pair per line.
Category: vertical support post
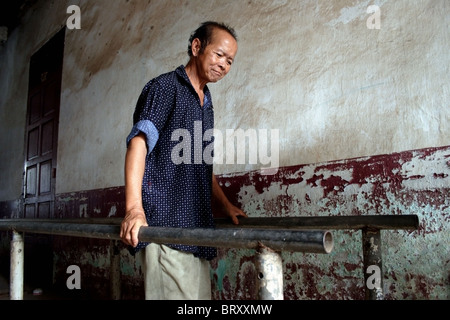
373,275
16,267
115,270
270,274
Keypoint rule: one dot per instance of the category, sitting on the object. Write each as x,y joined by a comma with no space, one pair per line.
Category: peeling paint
373,246
83,211
112,212
412,182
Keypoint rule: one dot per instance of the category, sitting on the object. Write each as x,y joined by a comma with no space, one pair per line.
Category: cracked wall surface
416,263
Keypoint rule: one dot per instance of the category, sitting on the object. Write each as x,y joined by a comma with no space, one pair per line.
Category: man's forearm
134,173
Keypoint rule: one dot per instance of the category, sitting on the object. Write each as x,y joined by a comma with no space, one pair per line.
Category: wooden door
41,140
42,129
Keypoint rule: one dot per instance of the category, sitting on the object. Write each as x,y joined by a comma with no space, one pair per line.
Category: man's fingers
236,214
134,235
129,233
126,234
243,214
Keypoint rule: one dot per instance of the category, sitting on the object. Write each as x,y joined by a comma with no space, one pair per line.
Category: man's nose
222,64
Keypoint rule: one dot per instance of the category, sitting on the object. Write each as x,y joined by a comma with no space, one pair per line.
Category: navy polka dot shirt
177,184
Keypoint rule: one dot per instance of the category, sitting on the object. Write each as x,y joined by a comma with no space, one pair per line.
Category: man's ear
196,46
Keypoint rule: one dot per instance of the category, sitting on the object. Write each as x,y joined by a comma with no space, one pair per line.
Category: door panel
45,179
33,143
31,181
47,137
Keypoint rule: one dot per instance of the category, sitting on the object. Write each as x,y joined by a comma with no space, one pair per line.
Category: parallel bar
301,240
381,222
373,264
16,267
269,266
99,231
304,234
114,270
312,241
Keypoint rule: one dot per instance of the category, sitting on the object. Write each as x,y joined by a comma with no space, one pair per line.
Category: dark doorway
41,140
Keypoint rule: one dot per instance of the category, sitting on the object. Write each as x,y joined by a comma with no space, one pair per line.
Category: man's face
215,61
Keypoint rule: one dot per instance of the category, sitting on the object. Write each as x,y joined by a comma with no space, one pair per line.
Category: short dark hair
204,34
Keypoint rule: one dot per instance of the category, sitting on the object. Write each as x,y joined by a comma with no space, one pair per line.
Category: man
162,192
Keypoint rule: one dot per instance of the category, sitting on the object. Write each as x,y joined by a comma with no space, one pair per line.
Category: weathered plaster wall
311,69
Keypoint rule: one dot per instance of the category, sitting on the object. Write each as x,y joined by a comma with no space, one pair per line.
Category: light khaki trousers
175,275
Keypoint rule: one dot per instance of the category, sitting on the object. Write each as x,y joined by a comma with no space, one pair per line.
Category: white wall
312,69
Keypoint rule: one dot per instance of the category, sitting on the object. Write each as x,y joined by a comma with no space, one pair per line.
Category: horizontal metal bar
98,231
284,240
313,241
381,222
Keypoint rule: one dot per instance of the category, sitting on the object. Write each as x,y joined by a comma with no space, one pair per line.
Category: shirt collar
181,72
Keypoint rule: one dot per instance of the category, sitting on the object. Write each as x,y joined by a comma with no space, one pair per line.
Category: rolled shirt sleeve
148,128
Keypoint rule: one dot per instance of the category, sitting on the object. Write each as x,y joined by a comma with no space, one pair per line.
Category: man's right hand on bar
130,226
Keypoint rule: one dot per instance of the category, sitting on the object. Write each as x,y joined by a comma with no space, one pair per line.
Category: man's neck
193,76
